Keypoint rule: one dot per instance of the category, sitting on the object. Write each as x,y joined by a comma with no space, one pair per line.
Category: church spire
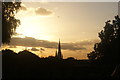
59,53
59,47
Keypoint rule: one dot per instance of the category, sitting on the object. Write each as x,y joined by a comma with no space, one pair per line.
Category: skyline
60,40
76,24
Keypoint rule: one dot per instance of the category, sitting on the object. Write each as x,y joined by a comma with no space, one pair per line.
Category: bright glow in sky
70,21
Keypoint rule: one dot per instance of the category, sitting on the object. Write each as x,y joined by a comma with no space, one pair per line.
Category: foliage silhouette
26,65
108,49
9,22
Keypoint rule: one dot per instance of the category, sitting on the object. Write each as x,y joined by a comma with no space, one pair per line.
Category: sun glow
32,30
35,26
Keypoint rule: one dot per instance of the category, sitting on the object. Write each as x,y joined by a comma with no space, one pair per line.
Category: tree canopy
108,48
9,22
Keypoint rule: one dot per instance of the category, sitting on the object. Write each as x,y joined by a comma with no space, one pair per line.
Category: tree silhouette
9,22
108,48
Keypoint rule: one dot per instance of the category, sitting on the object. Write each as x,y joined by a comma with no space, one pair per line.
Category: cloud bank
32,42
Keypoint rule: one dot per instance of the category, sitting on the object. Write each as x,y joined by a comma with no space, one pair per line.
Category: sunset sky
70,21
76,24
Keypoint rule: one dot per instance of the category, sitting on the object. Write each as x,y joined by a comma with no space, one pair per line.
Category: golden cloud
43,11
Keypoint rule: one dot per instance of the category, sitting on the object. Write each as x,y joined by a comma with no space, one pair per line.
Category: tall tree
108,48
9,22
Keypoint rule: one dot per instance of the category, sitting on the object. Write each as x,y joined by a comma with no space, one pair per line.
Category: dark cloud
43,11
32,42
34,49
42,49
72,46
87,42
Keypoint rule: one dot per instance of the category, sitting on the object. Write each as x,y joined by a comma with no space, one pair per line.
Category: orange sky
72,22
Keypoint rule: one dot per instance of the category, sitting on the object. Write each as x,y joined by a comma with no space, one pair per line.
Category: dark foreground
24,66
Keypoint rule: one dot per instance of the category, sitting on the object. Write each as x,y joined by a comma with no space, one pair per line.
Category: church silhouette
58,53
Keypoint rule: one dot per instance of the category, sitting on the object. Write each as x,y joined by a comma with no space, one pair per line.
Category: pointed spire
56,54
59,51
59,47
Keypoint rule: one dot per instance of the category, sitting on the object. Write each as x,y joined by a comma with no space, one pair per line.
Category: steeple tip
59,53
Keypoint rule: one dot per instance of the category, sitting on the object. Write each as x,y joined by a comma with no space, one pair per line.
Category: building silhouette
58,53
